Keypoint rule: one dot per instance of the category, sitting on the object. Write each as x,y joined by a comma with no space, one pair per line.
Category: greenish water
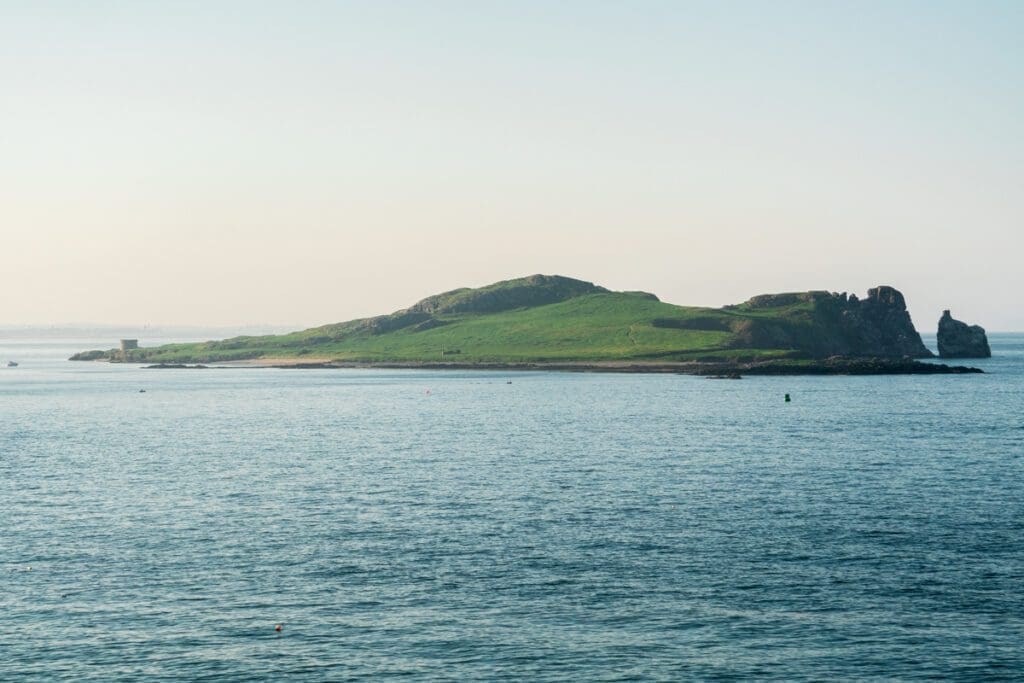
452,526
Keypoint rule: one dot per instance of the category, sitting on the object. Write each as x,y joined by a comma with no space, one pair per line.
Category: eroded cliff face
881,321
824,324
960,340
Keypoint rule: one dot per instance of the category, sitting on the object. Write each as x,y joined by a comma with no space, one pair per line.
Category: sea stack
960,340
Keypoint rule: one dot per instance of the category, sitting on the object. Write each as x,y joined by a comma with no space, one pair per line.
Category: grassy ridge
590,327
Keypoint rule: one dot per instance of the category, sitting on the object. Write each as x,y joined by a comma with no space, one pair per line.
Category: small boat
11,364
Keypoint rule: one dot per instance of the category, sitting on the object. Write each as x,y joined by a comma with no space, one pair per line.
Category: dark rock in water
960,340
836,365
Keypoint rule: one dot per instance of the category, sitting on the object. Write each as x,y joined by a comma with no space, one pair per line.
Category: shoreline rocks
836,365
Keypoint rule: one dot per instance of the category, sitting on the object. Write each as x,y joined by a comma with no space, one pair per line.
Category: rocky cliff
823,324
960,340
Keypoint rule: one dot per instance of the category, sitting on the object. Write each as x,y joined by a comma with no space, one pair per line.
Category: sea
159,525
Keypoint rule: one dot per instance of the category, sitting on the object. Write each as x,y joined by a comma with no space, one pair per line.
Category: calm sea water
452,526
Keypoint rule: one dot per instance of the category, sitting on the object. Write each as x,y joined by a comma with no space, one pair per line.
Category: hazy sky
308,162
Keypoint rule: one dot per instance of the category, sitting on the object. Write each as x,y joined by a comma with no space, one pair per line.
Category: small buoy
278,628
428,392
787,398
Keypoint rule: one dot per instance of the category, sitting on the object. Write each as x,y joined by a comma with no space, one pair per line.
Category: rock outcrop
823,324
960,340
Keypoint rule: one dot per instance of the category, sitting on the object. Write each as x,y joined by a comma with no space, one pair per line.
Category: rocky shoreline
828,366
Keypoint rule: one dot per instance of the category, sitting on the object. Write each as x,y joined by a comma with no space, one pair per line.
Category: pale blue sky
256,162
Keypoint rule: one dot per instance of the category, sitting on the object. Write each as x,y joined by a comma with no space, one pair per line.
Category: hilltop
556,320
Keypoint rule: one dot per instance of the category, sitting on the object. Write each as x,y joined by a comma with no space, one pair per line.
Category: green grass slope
537,319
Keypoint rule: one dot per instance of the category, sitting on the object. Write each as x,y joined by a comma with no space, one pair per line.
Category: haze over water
564,526
266,163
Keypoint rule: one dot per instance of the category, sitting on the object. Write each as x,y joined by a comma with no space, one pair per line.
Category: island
957,339
557,322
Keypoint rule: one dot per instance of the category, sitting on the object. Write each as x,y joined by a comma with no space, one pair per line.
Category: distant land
565,323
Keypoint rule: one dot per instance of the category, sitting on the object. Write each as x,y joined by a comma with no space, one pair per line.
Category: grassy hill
557,319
